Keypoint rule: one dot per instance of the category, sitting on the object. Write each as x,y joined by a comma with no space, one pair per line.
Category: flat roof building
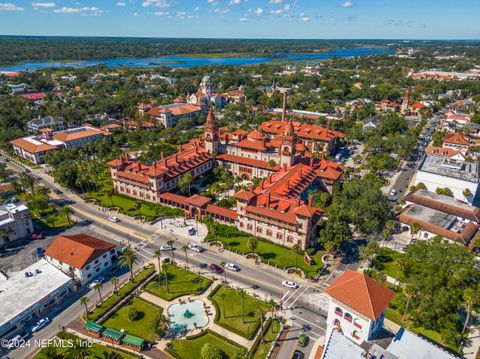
26,294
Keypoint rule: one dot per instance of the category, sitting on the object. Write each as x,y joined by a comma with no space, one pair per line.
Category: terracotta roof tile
361,293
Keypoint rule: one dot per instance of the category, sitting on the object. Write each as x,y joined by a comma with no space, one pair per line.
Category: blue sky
406,19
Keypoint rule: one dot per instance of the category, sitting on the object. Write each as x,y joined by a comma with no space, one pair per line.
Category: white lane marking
299,296
309,322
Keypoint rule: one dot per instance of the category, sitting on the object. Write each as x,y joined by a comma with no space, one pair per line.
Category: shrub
133,314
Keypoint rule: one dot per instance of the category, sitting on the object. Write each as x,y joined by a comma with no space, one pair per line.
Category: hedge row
255,345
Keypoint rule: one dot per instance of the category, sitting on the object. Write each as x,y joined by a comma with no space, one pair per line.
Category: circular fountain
187,316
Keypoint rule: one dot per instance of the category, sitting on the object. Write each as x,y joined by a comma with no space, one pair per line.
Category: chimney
226,139
166,162
268,200
323,155
176,157
161,156
139,166
311,162
310,200
284,108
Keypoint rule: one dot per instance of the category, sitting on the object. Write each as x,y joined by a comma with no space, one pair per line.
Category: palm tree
67,212
138,206
84,301
128,259
471,299
222,297
172,253
415,228
466,193
185,249
296,250
409,292
261,326
252,244
242,295
109,195
28,182
50,221
223,264
158,254
98,286
115,281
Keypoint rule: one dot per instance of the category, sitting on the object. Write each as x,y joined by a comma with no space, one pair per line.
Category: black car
297,354
57,191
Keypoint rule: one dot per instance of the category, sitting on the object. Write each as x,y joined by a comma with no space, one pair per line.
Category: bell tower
212,134
287,150
406,100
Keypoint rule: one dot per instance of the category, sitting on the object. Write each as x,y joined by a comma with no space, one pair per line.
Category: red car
216,268
37,236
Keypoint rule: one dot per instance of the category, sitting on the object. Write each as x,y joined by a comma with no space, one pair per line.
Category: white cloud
275,1
136,14
43,4
197,9
259,11
212,1
243,19
10,7
235,2
303,18
161,13
85,11
121,3
156,3
221,11
347,4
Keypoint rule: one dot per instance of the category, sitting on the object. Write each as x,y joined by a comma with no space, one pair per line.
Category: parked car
303,340
57,191
15,342
195,247
297,354
290,284
192,231
393,192
40,324
95,282
166,248
39,252
36,236
113,219
232,266
216,268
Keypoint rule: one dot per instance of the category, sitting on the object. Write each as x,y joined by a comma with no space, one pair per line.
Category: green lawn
60,222
282,257
123,291
386,260
270,335
180,282
95,352
127,205
140,327
191,348
230,308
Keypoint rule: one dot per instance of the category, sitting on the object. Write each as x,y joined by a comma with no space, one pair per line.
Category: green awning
94,327
133,341
113,334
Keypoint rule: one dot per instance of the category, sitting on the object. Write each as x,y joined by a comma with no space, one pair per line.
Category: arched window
338,311
357,323
259,229
290,239
300,242
249,226
336,323
348,317
269,232
355,335
279,236
241,224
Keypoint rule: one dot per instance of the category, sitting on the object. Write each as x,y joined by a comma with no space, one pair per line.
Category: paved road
263,280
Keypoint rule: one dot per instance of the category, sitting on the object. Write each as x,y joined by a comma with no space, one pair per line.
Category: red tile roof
34,96
198,201
174,198
246,161
361,293
32,146
65,136
77,250
182,109
302,130
441,151
220,211
455,138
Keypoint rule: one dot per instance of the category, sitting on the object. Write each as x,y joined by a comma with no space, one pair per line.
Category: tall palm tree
128,259
28,182
222,297
109,195
471,299
252,244
172,252
50,221
409,293
84,300
415,228
98,286
185,249
296,250
158,254
261,326
223,264
115,281
67,212
242,295
138,206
